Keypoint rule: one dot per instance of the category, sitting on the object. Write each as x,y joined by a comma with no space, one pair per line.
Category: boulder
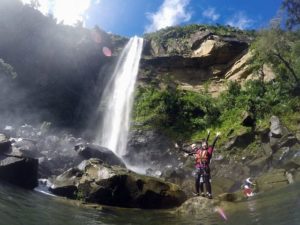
202,207
25,147
5,144
66,183
198,206
20,171
275,178
275,127
221,50
240,141
259,164
230,197
96,182
88,151
198,37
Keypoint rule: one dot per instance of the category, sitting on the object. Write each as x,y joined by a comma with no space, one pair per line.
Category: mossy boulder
202,207
198,205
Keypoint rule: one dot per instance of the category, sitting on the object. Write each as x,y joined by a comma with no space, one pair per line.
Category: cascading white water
118,98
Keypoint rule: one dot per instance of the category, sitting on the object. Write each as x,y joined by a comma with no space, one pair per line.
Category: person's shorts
203,173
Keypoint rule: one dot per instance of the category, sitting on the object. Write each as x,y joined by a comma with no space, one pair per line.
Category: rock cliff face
191,62
199,57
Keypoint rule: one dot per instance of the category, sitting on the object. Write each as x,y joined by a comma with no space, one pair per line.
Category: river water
22,207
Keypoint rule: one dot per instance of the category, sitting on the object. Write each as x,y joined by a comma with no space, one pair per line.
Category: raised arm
189,152
208,134
215,140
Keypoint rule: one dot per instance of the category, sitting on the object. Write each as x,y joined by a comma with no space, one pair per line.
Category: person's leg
197,181
202,182
207,183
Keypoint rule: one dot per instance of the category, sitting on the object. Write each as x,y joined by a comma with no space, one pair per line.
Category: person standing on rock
203,156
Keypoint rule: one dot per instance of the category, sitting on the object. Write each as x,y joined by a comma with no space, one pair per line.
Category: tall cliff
60,69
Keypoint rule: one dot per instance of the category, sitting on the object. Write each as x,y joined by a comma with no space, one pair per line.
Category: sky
136,17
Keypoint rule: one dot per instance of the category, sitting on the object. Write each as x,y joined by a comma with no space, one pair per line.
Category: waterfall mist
117,98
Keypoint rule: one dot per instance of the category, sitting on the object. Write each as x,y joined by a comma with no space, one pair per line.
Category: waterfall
117,99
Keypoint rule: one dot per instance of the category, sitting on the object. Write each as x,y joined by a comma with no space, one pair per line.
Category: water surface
22,207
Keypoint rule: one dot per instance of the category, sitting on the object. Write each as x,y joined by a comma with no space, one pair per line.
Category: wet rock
5,144
240,141
25,147
175,175
275,178
20,171
229,197
151,149
98,183
288,141
66,183
88,151
259,164
230,169
199,206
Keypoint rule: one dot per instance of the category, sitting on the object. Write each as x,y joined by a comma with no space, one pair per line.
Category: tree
293,10
274,46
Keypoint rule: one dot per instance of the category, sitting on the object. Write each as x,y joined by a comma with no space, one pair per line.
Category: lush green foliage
187,115
281,50
176,111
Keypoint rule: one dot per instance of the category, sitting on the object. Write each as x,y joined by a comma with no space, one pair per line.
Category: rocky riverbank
92,174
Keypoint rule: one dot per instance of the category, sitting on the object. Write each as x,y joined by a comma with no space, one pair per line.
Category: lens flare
221,212
106,51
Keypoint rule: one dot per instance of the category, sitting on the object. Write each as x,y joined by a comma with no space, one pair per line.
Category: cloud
211,14
68,11
240,20
170,13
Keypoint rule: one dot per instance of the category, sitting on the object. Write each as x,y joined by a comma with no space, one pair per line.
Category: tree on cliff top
293,10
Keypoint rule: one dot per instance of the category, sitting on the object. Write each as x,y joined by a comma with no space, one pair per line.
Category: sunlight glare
67,11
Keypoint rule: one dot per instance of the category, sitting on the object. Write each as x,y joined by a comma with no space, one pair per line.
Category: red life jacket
202,157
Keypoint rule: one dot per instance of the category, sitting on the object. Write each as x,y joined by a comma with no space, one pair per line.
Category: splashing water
118,98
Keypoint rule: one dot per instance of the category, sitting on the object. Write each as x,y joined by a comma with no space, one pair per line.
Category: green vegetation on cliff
186,115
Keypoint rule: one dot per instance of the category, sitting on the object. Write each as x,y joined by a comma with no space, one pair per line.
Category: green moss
291,120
